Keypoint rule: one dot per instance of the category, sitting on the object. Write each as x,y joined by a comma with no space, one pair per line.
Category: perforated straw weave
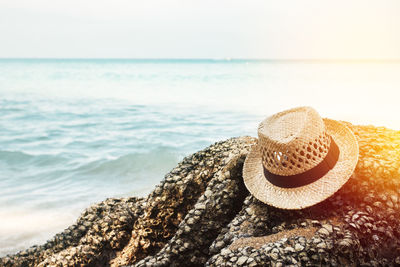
292,142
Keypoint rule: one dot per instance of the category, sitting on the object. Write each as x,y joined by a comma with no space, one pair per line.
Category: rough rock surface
201,214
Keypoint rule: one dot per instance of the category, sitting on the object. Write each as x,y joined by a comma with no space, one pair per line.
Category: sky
286,29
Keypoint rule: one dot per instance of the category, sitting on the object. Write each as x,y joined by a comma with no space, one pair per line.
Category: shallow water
74,132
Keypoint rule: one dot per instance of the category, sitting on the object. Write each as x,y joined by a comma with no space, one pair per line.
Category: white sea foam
21,228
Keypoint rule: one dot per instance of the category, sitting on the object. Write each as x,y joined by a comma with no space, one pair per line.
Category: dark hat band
309,176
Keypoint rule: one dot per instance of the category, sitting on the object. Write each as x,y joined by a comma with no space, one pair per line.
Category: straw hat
300,159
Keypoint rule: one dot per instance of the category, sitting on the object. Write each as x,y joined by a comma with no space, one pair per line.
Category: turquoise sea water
74,132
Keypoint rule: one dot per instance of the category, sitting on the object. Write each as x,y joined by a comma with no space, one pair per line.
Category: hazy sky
200,29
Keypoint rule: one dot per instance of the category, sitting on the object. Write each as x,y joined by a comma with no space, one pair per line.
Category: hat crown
293,141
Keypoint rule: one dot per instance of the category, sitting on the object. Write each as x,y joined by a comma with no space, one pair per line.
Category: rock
225,251
316,223
201,214
233,259
298,247
321,245
328,227
345,243
323,232
200,206
274,256
241,260
289,250
219,261
250,211
219,244
187,229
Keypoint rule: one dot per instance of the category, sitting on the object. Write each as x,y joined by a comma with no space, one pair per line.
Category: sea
74,132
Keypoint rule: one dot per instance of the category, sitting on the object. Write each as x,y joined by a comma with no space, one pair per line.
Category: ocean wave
17,158
130,164
5,110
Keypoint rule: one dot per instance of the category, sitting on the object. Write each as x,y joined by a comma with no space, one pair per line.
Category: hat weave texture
293,142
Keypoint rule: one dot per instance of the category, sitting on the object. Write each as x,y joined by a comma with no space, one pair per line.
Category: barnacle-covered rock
97,232
201,214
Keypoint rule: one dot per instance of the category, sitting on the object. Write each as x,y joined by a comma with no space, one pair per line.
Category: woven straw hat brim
308,195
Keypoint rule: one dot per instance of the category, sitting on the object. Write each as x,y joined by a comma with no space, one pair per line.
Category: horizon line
227,59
